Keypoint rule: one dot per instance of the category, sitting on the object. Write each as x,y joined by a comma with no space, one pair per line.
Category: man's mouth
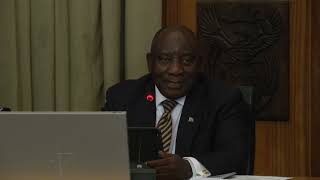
174,85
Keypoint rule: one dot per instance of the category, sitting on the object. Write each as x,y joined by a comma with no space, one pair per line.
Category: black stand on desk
140,171
144,145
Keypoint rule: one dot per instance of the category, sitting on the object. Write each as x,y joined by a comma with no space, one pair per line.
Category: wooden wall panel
180,12
315,113
300,83
283,148
287,143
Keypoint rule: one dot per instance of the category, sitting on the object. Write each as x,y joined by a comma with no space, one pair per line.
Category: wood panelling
315,69
284,148
180,12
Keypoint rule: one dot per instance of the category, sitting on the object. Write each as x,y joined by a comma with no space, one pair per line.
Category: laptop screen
83,144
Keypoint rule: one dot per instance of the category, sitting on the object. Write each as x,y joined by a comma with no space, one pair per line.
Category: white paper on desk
204,178
244,177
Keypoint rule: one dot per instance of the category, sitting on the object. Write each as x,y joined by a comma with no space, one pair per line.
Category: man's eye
188,60
164,59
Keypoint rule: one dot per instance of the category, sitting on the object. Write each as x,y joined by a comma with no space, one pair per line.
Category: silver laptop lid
82,144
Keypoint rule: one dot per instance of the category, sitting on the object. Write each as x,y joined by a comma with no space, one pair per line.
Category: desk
306,178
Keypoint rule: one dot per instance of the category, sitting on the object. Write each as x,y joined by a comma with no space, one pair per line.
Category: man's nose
175,67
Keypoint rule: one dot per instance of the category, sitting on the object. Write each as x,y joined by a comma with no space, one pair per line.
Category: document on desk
244,177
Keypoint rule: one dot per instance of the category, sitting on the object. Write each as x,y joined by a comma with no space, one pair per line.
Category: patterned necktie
165,123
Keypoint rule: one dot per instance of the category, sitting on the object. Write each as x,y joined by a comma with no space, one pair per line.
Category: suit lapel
142,112
189,121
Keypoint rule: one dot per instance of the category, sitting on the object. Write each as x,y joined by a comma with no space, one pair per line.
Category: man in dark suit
205,125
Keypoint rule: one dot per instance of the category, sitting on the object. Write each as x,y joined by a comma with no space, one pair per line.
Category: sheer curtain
61,55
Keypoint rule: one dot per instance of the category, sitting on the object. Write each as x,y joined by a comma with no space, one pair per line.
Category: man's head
174,61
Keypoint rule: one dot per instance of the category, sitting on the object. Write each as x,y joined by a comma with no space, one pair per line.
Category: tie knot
168,105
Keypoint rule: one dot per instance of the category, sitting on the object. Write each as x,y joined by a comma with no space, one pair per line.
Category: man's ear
149,61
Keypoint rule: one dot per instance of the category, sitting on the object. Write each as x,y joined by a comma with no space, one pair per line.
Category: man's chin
174,93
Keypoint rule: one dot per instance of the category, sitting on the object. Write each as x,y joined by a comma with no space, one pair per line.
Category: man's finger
163,154
162,169
157,163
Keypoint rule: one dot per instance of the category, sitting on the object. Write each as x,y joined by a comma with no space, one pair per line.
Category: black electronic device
144,145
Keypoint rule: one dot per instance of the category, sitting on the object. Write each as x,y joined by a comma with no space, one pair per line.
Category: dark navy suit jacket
220,135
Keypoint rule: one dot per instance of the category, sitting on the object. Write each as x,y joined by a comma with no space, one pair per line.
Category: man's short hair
182,29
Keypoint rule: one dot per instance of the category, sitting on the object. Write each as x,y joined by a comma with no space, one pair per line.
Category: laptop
64,145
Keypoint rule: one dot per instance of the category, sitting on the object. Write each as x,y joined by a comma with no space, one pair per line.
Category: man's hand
171,166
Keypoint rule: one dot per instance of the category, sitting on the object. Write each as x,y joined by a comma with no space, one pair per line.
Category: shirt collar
160,98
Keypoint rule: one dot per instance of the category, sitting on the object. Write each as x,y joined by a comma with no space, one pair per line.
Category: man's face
174,64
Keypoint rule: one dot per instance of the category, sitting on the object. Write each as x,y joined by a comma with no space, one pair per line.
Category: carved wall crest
243,41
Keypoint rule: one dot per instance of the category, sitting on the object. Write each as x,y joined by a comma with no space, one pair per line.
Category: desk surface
306,178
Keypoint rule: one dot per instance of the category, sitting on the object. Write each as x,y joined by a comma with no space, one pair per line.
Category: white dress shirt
197,168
